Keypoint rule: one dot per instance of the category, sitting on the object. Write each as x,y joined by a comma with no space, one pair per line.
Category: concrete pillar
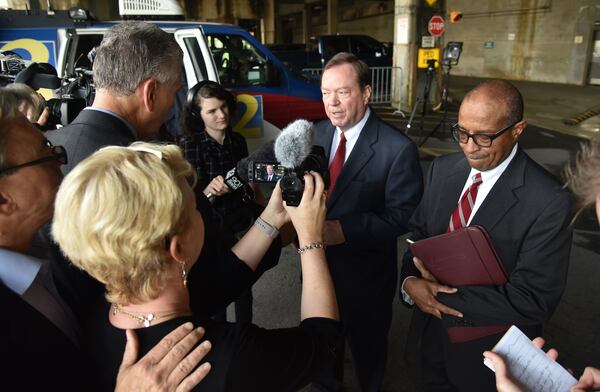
19,4
306,24
332,17
268,22
404,77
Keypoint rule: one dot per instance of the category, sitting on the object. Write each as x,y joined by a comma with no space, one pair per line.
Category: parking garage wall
539,40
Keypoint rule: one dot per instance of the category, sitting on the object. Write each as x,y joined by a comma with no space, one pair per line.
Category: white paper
530,366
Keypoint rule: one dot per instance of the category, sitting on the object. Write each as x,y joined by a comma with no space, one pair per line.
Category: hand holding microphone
216,187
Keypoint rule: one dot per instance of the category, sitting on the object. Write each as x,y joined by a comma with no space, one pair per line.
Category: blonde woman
127,216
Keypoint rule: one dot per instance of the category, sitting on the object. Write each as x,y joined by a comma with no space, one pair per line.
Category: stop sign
436,26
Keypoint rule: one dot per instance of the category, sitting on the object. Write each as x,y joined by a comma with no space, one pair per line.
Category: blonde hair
115,212
583,175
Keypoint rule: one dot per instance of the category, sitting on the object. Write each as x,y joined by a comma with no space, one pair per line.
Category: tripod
426,89
442,123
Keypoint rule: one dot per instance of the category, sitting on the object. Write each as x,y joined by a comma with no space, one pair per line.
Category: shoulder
541,183
238,140
387,133
449,159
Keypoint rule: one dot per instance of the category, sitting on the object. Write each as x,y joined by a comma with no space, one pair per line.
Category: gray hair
132,52
25,95
9,111
583,174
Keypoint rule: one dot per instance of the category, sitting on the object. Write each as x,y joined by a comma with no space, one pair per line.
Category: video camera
74,92
287,159
292,179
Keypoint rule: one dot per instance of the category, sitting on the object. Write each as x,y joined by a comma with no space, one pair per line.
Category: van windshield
238,61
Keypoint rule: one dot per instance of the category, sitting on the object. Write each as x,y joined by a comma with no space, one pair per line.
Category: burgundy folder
461,258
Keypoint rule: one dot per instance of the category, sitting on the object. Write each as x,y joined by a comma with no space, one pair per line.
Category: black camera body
292,182
63,110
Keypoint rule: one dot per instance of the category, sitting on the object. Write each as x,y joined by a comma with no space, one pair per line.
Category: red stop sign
436,26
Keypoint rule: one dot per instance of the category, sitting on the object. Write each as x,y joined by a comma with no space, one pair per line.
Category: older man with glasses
493,184
39,334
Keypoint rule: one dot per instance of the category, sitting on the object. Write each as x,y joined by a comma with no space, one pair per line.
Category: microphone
291,148
294,143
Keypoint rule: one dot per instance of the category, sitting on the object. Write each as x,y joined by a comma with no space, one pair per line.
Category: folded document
529,365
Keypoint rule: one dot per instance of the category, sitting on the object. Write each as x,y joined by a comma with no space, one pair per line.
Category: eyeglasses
58,153
481,139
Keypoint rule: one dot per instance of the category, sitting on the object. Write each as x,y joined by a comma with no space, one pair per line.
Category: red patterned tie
338,162
462,212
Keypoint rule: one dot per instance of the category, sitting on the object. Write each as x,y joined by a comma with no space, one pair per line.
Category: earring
183,273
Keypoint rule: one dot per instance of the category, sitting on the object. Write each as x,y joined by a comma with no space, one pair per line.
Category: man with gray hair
136,74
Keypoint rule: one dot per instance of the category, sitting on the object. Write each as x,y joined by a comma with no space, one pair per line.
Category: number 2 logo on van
249,116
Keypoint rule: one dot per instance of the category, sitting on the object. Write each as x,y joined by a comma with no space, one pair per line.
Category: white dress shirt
351,135
488,180
17,270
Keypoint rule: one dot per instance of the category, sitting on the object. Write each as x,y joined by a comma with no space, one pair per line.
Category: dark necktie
338,162
462,212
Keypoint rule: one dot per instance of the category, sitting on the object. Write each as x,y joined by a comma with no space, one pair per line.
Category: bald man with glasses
494,184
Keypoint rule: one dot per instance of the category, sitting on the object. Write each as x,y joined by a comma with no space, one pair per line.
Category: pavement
573,329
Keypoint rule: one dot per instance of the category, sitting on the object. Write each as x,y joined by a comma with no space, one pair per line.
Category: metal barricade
381,82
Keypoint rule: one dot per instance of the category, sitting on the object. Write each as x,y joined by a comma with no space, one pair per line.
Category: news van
267,92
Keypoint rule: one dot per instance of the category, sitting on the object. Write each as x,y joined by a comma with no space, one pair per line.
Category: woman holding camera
127,216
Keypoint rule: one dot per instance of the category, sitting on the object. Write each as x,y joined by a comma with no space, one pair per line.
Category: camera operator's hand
217,187
274,213
309,217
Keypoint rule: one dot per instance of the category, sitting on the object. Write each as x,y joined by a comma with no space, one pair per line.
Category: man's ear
518,129
148,89
7,206
367,93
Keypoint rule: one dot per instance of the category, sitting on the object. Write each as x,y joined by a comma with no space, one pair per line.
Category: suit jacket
37,355
527,214
90,131
375,194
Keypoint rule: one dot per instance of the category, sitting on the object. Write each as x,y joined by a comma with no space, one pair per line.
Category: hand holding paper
531,368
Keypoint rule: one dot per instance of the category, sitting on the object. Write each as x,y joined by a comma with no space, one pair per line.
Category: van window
238,61
78,55
198,62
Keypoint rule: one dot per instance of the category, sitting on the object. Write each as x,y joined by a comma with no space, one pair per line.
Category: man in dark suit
526,212
135,90
40,334
376,183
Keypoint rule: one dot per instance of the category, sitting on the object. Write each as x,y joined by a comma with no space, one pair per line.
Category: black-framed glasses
481,139
58,153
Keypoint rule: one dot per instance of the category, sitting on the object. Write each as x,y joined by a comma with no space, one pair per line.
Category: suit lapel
360,155
502,197
450,192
